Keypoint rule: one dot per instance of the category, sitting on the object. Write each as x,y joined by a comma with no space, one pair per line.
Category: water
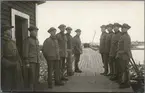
138,56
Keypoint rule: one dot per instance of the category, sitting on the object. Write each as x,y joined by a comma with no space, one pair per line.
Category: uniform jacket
69,41
50,49
62,42
31,50
10,65
102,42
124,47
114,43
108,42
77,48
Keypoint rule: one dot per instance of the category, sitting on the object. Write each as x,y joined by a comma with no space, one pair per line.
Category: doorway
21,32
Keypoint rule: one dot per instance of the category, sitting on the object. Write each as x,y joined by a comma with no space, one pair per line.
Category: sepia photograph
72,46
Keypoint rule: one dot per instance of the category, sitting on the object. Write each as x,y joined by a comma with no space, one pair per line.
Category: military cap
6,27
103,26
51,29
126,26
31,28
109,25
116,24
62,25
68,28
78,30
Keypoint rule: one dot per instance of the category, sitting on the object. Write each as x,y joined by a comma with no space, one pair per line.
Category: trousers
69,62
125,77
77,59
53,67
34,75
62,66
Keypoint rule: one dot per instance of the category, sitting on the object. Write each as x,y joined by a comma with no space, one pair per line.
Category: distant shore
94,48
137,48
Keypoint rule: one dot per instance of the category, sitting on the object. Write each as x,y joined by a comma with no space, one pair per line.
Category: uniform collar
53,37
117,32
125,33
6,38
67,34
62,33
33,37
110,32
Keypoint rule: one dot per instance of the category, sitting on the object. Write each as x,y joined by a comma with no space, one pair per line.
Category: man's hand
27,65
120,52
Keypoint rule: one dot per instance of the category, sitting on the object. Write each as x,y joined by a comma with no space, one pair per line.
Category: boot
124,85
64,78
78,71
59,83
110,74
113,78
70,73
50,86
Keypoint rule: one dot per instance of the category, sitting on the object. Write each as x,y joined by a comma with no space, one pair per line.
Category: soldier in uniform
102,46
69,51
124,55
32,56
77,49
62,42
107,48
113,51
51,53
11,71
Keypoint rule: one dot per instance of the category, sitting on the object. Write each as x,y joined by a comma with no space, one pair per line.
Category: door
21,32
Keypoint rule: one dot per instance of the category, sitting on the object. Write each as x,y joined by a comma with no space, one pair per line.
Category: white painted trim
21,14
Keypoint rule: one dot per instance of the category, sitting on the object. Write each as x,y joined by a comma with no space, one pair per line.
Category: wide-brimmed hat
103,26
6,27
126,26
68,28
78,30
31,28
51,29
62,25
109,25
116,24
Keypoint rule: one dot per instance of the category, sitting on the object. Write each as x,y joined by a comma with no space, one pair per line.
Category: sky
89,16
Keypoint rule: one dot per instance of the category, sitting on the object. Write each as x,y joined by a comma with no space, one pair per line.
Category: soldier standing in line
102,46
51,53
124,55
107,48
113,51
69,51
62,42
32,56
77,49
11,71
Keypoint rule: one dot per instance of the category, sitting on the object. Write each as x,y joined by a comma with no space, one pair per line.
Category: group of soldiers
115,49
22,72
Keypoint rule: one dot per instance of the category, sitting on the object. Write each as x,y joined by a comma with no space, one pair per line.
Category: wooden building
20,14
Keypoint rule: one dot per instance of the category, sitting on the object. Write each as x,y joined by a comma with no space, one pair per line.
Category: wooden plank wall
27,7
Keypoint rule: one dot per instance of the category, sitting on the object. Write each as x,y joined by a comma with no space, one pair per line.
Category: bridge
90,80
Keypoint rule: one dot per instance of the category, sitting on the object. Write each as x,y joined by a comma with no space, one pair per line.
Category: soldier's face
124,30
103,29
8,33
34,33
78,33
109,28
62,29
53,33
69,31
116,28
